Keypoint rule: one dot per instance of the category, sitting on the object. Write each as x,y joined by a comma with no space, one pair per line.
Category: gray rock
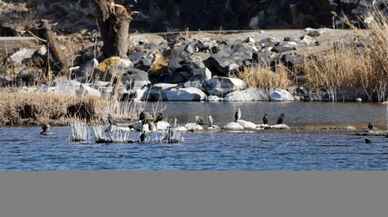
268,42
135,79
5,81
230,59
285,47
19,56
85,71
75,88
184,66
157,92
27,77
280,95
185,94
312,32
221,86
309,41
250,94
292,59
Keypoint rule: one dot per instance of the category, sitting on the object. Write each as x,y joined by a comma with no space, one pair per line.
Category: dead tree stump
113,21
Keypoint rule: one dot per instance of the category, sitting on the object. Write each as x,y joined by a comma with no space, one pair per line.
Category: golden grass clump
264,77
347,68
16,107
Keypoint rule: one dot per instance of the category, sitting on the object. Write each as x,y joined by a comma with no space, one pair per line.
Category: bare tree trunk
54,48
113,20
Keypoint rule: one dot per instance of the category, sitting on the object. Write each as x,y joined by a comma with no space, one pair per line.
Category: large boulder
186,66
156,92
19,56
250,94
221,86
231,59
113,66
135,79
185,94
279,95
85,71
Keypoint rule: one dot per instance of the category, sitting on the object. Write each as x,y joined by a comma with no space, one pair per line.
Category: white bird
211,121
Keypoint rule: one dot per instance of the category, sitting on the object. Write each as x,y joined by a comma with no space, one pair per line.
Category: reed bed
360,66
264,77
16,107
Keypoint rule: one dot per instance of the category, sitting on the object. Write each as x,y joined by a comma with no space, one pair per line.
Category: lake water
22,149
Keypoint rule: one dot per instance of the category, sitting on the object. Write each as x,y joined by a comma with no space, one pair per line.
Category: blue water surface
22,149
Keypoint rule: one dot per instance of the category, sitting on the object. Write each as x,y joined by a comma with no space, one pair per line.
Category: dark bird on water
237,115
370,126
142,138
45,128
368,141
281,119
265,119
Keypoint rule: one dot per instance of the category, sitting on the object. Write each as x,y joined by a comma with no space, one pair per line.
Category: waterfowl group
240,125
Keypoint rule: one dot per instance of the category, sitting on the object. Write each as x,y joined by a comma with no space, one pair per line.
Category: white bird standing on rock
211,121
199,120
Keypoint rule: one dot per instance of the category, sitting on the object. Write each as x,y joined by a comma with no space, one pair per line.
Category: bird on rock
237,115
265,119
281,119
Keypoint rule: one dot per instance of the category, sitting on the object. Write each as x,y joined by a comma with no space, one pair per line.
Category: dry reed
356,67
37,107
264,77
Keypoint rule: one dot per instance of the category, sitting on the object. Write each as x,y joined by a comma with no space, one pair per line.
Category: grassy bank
18,108
349,69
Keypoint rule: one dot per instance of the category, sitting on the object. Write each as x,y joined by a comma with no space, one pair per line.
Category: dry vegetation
264,77
21,107
363,67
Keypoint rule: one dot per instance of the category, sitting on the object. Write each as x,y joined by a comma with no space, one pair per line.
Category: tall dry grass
37,107
347,68
263,77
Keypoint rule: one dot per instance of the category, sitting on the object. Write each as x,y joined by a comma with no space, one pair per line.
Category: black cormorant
370,126
45,128
237,115
281,119
265,119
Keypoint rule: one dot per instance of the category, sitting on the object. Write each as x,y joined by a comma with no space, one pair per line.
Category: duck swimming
44,129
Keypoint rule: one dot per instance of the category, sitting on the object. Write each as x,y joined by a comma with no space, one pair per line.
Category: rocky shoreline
186,66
